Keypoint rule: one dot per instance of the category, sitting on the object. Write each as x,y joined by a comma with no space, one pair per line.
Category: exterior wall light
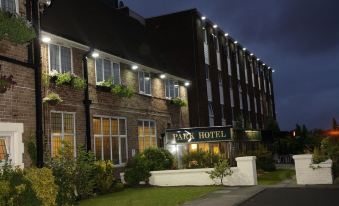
187,84
273,70
236,42
258,59
135,67
95,54
226,34
46,39
162,76
215,26
263,64
244,49
203,17
251,54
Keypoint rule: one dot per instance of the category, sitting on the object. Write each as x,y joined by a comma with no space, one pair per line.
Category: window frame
62,134
103,70
144,83
167,84
6,138
111,136
143,132
16,7
49,57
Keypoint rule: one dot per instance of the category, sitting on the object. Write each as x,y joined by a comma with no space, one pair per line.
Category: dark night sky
299,38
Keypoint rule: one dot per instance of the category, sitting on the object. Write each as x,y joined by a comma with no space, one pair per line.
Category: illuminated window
9,5
106,70
110,139
146,134
171,88
60,58
62,130
144,83
3,149
193,148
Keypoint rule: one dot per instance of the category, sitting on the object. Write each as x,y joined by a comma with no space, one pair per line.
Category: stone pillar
247,167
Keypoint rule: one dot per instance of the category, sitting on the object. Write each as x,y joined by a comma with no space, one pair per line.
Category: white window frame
252,68
241,104
49,57
229,69
119,136
103,70
237,61
245,67
206,48
210,114
143,132
62,134
16,6
167,83
144,85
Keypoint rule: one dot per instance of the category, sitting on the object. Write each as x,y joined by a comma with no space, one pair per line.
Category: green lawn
274,177
150,196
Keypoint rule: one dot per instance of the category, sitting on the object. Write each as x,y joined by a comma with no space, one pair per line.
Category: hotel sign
205,134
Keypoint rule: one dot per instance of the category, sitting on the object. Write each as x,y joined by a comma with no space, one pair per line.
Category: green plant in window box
52,99
77,82
122,91
63,79
105,86
15,28
178,102
6,82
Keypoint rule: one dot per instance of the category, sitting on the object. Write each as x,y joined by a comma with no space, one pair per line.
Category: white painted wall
244,174
16,146
307,175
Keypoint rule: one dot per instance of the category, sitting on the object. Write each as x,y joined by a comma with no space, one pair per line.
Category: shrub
137,170
158,159
122,91
31,149
63,79
330,148
78,83
265,159
200,159
104,176
42,182
221,170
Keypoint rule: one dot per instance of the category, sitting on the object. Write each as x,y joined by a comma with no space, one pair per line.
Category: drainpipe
37,68
87,102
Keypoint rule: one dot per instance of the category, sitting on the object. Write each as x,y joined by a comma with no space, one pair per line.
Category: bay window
107,70
110,139
144,83
60,58
147,134
171,88
62,131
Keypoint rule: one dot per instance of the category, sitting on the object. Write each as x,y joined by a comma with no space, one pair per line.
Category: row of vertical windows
144,83
146,134
172,88
107,70
60,58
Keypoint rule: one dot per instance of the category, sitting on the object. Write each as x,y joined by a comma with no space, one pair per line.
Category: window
229,69
240,96
237,59
221,88
206,51
171,88
147,134
248,103
208,83
255,105
62,130
218,54
253,81
9,5
210,114
106,70
245,65
3,149
144,83
223,120
60,58
261,105
110,139
258,73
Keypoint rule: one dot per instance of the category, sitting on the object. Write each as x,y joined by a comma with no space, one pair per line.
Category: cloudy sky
299,38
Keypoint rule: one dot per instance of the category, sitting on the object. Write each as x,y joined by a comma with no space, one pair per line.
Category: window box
116,89
52,99
178,102
103,88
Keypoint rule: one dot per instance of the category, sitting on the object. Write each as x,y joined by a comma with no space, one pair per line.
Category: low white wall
244,174
309,174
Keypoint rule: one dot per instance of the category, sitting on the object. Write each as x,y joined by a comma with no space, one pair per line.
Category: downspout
87,102
37,68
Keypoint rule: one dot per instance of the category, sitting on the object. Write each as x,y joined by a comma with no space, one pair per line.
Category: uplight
236,42
162,76
251,54
187,84
226,34
135,67
258,59
95,54
244,49
215,26
46,39
203,17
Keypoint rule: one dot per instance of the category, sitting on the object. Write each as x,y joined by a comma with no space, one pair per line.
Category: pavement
284,193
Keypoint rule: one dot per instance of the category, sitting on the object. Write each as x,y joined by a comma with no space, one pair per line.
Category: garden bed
275,177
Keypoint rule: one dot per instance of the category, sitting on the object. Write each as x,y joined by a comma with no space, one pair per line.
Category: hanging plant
6,83
61,79
178,102
15,28
122,91
77,82
52,99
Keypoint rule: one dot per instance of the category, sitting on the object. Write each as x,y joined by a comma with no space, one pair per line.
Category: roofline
82,46
174,13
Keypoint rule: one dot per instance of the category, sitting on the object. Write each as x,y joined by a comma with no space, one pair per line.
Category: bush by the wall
158,159
200,159
104,176
137,170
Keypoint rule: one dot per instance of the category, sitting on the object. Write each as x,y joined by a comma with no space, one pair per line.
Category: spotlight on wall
203,17
273,70
244,49
226,34
236,42
45,39
135,67
162,76
95,54
251,54
215,26
264,64
187,84
258,59
269,67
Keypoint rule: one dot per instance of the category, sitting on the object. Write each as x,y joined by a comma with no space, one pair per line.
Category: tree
221,170
335,125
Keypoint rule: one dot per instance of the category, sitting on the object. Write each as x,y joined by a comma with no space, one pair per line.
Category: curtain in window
66,60
107,70
98,67
54,57
116,73
3,149
147,83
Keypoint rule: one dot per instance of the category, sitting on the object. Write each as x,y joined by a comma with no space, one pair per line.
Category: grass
275,177
150,196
